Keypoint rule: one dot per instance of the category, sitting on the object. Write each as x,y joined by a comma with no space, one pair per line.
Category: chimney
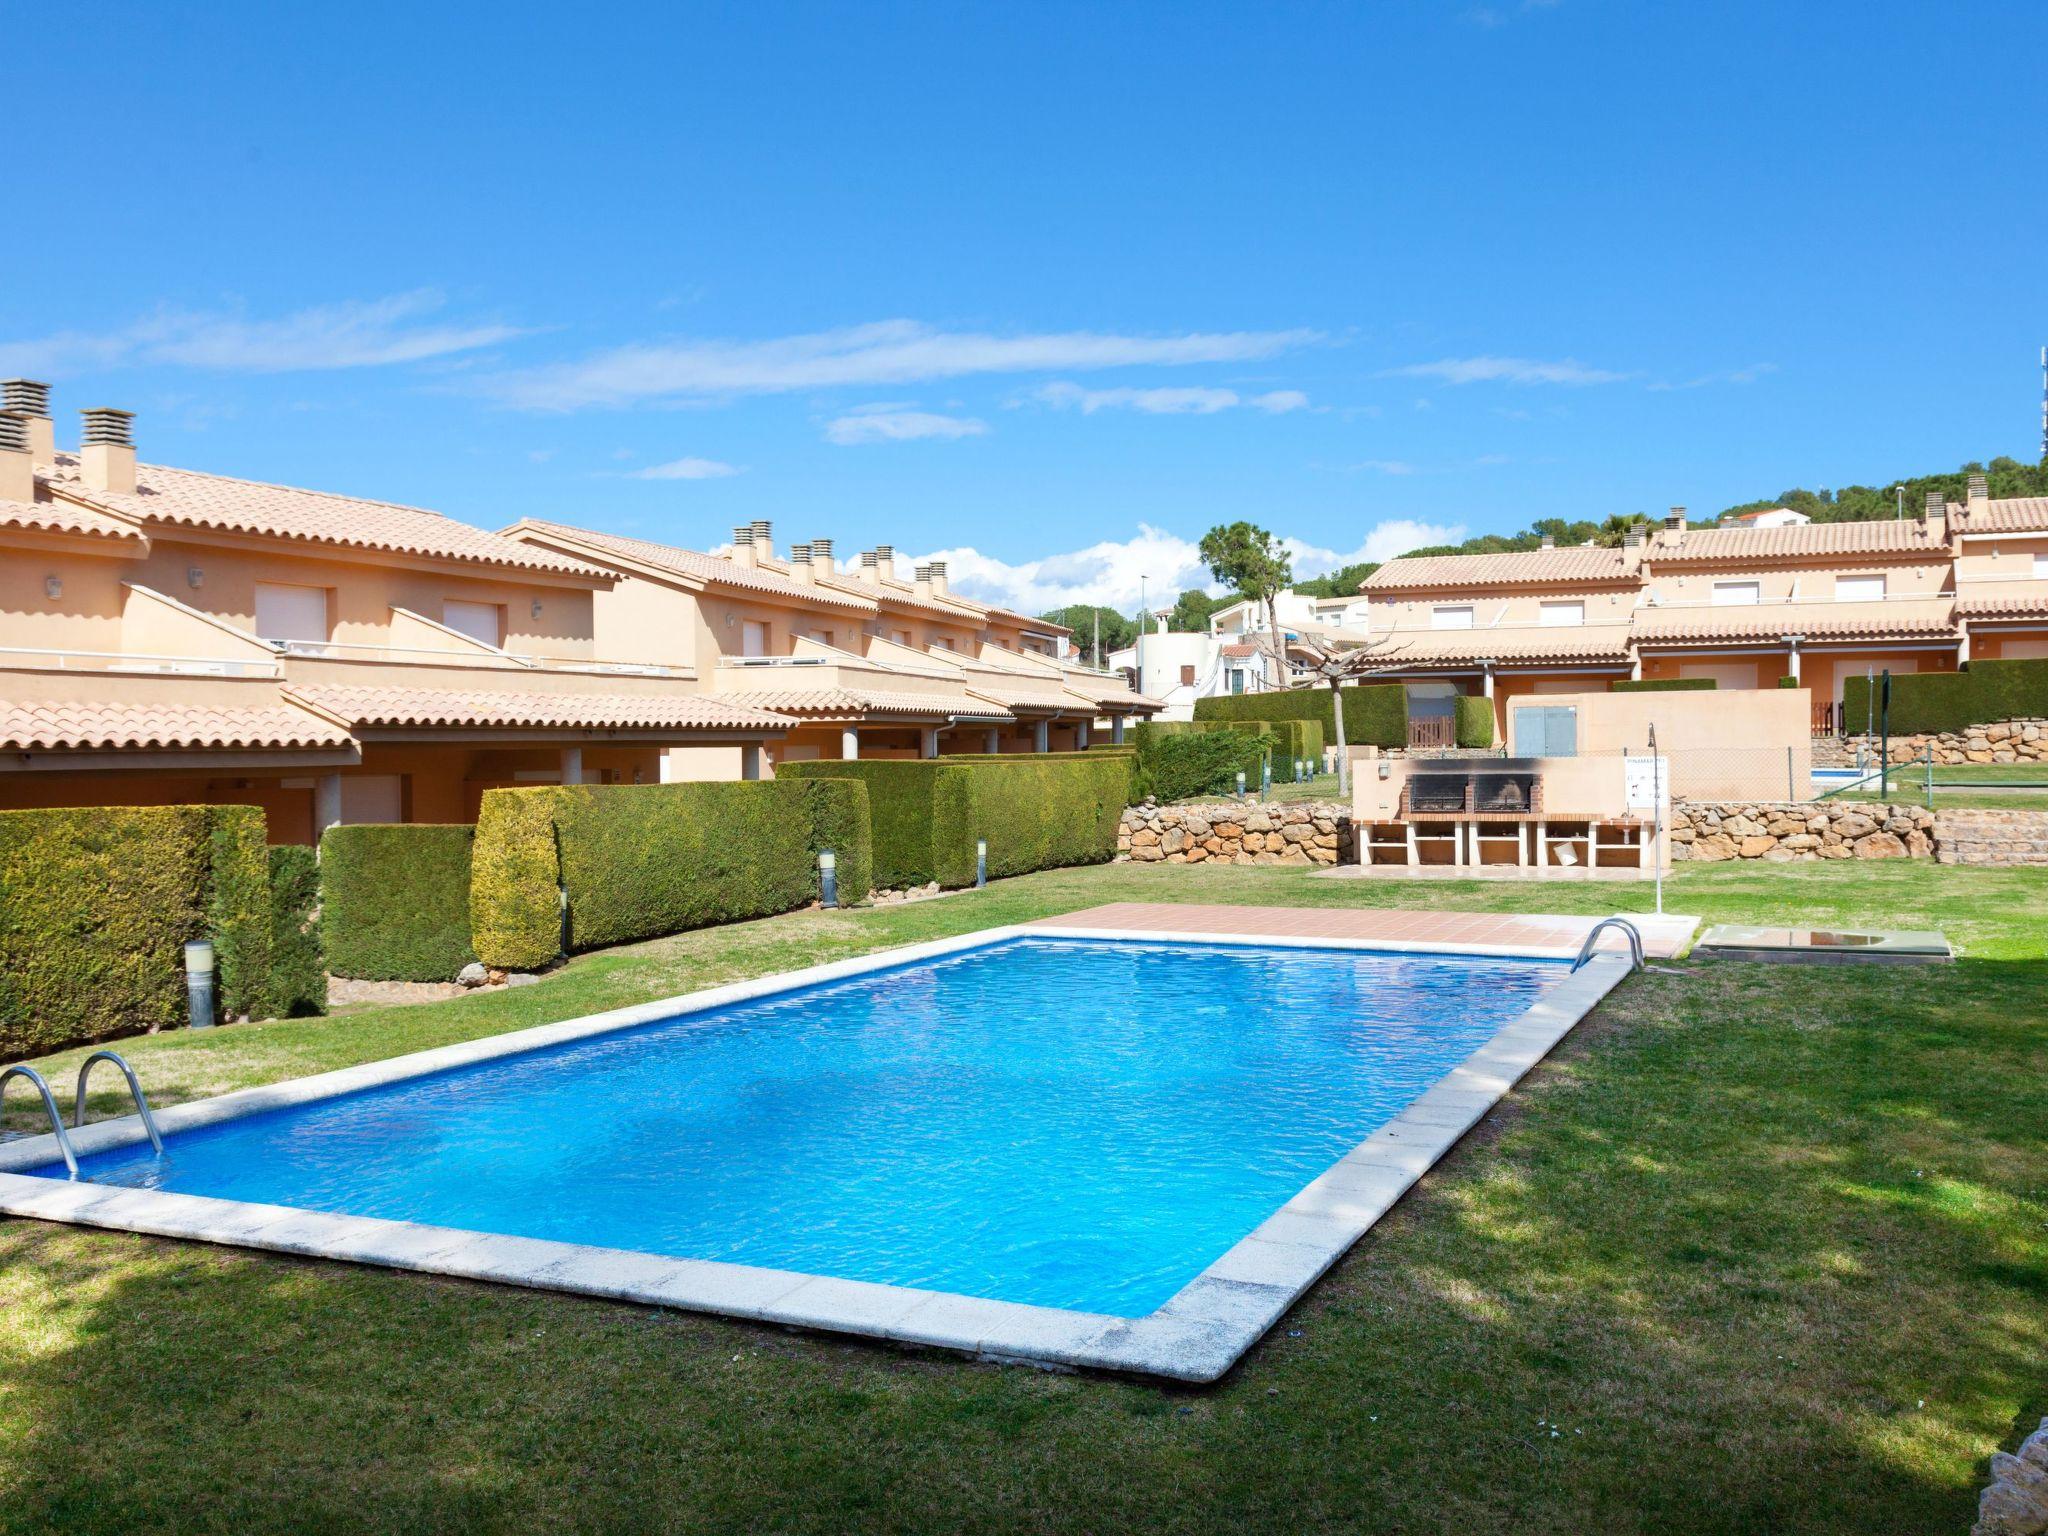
1936,506
1676,520
17,465
885,561
870,573
1550,541
30,398
106,450
800,562
1980,495
938,576
923,583
764,540
822,563
743,544
1632,536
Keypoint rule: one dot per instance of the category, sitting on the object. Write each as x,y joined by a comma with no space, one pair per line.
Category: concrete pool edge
1198,1334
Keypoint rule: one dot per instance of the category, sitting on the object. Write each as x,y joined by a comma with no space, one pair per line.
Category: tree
1342,582
1250,562
1341,664
1191,612
1117,629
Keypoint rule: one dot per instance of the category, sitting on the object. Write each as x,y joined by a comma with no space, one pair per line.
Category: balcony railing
124,661
348,650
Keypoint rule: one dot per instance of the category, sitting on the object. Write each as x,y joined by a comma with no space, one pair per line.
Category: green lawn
1760,1249
1322,786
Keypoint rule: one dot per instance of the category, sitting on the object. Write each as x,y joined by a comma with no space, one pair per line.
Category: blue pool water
1071,1123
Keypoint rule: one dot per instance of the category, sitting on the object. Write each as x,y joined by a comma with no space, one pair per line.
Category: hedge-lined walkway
1763,1248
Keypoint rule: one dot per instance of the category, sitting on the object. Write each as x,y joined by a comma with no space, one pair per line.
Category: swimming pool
1025,1128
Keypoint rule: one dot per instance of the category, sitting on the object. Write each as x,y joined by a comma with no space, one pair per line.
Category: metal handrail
49,1104
134,1089
1635,942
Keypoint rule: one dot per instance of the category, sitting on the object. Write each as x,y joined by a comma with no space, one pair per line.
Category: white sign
1647,781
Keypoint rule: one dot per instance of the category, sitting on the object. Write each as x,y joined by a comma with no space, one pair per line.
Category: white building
1233,655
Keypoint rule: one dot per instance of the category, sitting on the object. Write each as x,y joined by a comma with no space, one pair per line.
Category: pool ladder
35,1080
1635,942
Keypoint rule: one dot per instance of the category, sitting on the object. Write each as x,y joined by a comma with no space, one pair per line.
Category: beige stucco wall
1502,607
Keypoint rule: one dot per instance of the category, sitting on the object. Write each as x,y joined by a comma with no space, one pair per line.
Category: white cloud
1384,466
1505,370
884,352
1110,572
353,334
1177,400
687,469
1747,375
896,423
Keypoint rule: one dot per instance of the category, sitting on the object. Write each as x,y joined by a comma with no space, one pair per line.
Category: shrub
1788,682
1202,763
1658,684
1375,714
395,901
579,866
298,963
97,904
1983,693
1475,721
1038,811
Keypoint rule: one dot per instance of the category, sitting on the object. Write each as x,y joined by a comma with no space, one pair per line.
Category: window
479,621
370,798
822,636
291,613
1859,589
1563,613
1187,677
2041,567
901,637
1451,618
1737,594
1547,730
754,638
945,642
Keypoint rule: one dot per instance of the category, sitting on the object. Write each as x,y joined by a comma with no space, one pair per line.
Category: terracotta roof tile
1530,642
83,725
857,703
183,498
1816,621
52,516
1527,568
2008,514
2003,599
401,707
1799,541
712,569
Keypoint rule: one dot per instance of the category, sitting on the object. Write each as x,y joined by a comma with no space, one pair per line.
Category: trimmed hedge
1658,684
1375,714
1983,693
1179,766
1037,811
298,963
1474,721
560,869
1788,682
96,906
395,901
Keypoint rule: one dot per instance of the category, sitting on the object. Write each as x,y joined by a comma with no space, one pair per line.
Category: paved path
1533,932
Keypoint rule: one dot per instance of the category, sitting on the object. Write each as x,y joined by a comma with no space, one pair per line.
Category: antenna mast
2044,405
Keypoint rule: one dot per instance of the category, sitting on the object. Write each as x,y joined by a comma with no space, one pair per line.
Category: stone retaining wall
2002,839
1236,833
1799,830
2003,741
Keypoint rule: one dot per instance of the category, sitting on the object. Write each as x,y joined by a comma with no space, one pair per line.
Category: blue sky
1049,288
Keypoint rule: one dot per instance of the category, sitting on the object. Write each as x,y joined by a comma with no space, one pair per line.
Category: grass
1322,786
1759,1249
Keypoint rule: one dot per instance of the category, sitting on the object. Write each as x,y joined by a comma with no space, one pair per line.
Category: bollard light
1265,778
199,982
980,862
828,879
1240,783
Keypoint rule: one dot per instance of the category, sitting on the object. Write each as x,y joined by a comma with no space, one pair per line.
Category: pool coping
1196,1336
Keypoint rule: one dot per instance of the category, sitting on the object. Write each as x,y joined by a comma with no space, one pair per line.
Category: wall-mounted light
536,607
195,578
729,619
53,586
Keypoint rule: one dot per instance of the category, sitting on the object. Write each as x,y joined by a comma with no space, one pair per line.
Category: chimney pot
885,561
743,544
17,467
800,563
1980,489
936,574
1935,504
106,452
764,539
1676,519
923,582
30,398
821,554
1632,536
1550,541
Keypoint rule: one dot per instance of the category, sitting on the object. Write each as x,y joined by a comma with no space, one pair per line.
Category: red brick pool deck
1662,936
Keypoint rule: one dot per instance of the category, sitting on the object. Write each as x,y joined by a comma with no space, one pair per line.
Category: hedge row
1176,765
396,901
1036,811
97,904
1474,721
1375,714
560,869
1983,693
1658,684
298,959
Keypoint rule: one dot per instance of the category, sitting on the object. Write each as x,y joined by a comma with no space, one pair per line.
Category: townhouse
1745,605
174,637
865,662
